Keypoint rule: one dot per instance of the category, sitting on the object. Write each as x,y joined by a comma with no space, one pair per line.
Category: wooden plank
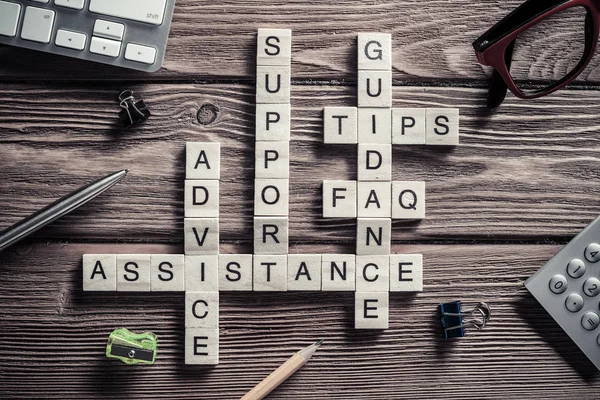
218,41
53,335
524,172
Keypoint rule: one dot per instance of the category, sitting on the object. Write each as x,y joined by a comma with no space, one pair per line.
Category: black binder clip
455,320
133,112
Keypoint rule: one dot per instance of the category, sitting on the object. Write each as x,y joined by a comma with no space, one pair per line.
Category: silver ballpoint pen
57,209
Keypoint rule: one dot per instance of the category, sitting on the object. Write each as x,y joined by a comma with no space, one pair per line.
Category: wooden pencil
286,370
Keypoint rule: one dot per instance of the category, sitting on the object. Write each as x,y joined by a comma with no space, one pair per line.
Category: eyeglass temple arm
498,88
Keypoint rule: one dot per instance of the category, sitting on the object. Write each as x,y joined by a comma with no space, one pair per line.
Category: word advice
202,273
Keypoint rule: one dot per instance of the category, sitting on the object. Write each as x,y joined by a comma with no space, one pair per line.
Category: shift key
148,11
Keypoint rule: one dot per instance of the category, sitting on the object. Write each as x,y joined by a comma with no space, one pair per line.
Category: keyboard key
558,284
576,268
590,321
105,47
574,303
591,287
9,18
42,1
142,54
148,11
592,253
70,40
37,24
109,30
74,4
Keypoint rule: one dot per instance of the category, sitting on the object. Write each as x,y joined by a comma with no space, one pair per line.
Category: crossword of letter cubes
373,200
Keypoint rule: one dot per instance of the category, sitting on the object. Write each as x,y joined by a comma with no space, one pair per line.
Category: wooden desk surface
522,183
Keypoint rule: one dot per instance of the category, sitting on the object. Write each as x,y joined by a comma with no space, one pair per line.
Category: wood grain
53,335
526,172
216,40
523,181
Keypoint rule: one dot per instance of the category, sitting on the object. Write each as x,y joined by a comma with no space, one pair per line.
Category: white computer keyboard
126,33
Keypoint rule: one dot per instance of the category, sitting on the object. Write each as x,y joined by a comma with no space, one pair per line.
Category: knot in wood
207,114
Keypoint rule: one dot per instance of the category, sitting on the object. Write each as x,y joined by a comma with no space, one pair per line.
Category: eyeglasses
569,34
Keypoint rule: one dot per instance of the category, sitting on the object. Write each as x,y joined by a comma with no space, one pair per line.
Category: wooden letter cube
203,160
201,235
202,273
375,125
372,310
375,162
304,272
167,273
235,272
338,272
272,160
442,126
374,199
373,273
408,125
201,199
274,47
202,346
273,85
271,235
340,125
339,199
133,272
375,89
406,273
201,309
100,272
373,236
408,200
271,197
273,122
374,51
270,273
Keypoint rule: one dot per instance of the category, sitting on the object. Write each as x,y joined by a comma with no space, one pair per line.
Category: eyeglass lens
549,51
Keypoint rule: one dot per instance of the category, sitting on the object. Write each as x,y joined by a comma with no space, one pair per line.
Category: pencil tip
126,170
319,342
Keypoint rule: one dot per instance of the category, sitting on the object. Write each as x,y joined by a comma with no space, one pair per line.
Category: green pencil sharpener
132,348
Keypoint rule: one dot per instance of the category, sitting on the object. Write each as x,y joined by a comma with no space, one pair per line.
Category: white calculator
568,287
125,33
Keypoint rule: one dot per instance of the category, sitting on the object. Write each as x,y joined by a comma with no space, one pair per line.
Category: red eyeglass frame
495,47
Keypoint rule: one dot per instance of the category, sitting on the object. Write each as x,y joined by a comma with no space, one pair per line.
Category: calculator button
590,321
37,24
105,47
591,287
558,284
109,30
9,18
574,303
70,40
148,11
143,54
592,253
576,268
74,4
